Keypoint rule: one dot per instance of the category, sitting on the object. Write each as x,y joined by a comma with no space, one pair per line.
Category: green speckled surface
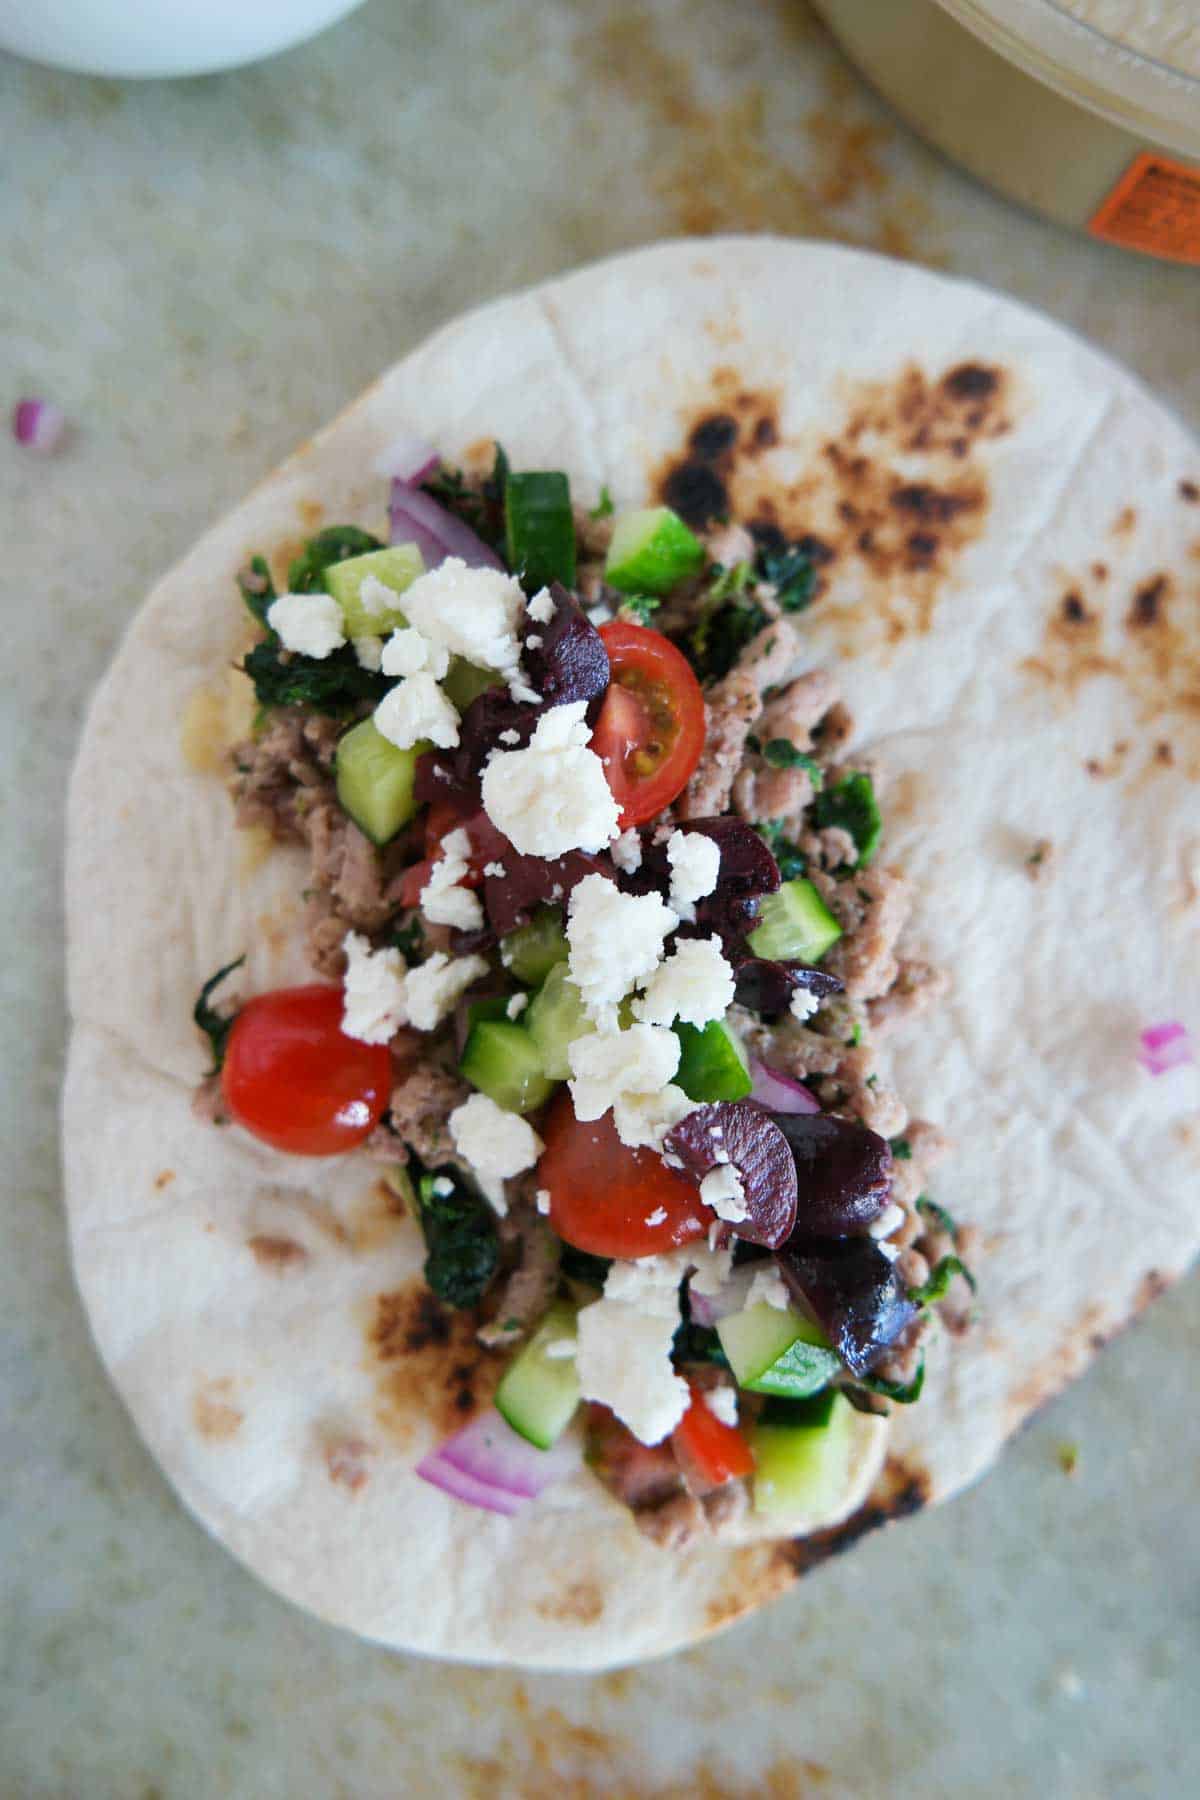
200,273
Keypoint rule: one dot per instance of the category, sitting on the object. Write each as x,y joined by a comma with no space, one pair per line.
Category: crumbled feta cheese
497,1144
722,1403
533,640
657,1217
442,1185
407,652
650,1283
432,988
541,607
374,996
309,624
711,1268
496,869
552,796
443,900
890,1250
615,940
804,1004
647,1118
722,1189
543,1200
611,1067
624,1361
695,865
559,1349
520,689
414,709
509,736
470,612
375,597
694,984
889,1220
369,653
516,1006
767,1288
599,615
716,1233
626,851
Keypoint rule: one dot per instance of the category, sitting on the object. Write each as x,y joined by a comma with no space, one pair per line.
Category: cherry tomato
294,1079
487,845
602,1193
651,727
715,1450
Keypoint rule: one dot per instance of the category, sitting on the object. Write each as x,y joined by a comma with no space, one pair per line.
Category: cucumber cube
802,1471
375,781
532,950
539,1392
775,1352
464,682
540,528
396,567
795,925
501,1060
712,1063
556,1017
651,551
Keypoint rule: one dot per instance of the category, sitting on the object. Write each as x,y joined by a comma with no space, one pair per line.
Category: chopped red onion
488,1464
416,518
780,1093
39,425
1164,1047
453,1481
408,458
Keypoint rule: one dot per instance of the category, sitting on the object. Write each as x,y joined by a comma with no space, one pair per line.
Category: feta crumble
722,1403
543,1201
615,940
552,796
416,708
804,1004
374,992
442,1185
495,1143
432,988
889,1220
768,1288
309,624
443,900
407,652
657,1217
711,1268
469,612
541,607
624,1361
722,1189
509,736
629,1071
375,597
516,1006
368,653
650,1283
559,1349
695,866
600,614
647,1118
694,984
496,869
626,851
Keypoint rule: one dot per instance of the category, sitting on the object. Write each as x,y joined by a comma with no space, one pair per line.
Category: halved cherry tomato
603,1195
294,1079
717,1451
651,727
487,845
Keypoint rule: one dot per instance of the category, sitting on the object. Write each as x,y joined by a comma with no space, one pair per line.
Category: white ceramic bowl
159,37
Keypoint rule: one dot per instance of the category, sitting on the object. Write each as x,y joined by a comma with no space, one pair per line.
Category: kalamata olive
844,1173
747,871
767,987
740,1133
854,1293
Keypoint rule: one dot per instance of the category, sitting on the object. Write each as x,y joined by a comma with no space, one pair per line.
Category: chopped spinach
903,1393
697,1344
851,805
604,508
642,607
306,572
789,856
257,588
938,1285
901,1149
334,684
462,1251
409,940
791,572
215,1026
931,1210
728,620
480,506
580,1265
783,755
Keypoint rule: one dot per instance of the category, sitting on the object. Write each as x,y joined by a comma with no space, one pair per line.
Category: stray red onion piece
39,425
416,518
1165,1047
487,1464
780,1093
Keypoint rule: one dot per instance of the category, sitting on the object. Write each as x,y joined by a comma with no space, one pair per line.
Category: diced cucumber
464,682
555,1018
540,528
651,551
487,1007
538,1393
375,780
532,950
501,1060
795,925
775,1352
803,1470
712,1063
397,568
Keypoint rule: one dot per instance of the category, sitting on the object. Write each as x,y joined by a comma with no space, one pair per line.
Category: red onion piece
490,1452
780,1093
408,458
416,518
453,1481
38,425
1164,1047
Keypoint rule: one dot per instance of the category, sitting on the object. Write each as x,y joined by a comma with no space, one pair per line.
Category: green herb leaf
791,859
901,1149
728,620
937,1287
941,1218
215,1026
783,755
793,575
641,607
256,587
306,573
334,684
409,940
604,507
697,1343
851,805
903,1393
462,1250
481,507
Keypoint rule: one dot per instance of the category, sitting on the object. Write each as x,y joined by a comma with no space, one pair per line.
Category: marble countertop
200,273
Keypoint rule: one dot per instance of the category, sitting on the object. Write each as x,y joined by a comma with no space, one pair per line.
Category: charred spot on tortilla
1148,603
217,1418
346,1456
276,1253
164,1178
696,492
428,1362
578,1603
1125,522
1190,491
1073,610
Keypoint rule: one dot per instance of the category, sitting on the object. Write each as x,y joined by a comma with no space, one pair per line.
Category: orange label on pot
1155,207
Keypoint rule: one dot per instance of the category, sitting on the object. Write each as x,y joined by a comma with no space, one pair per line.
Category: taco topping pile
595,880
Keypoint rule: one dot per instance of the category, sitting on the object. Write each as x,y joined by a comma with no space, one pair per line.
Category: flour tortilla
235,1294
